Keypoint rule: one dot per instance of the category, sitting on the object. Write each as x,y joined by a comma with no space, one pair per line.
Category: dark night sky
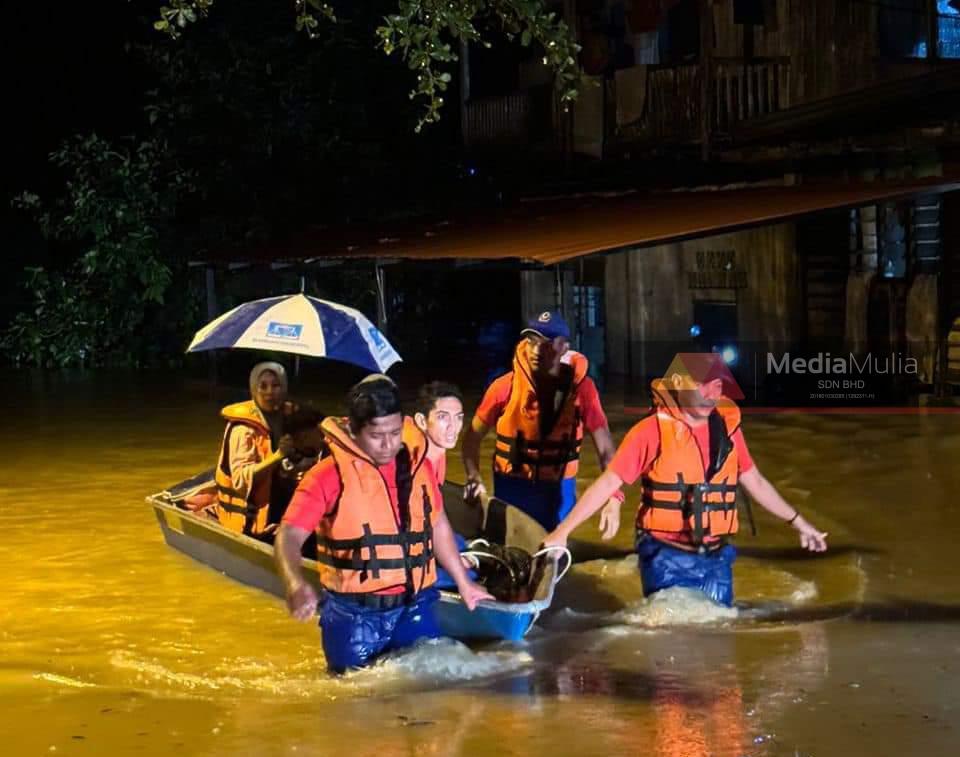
67,71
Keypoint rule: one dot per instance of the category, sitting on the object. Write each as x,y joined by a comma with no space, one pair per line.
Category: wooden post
464,90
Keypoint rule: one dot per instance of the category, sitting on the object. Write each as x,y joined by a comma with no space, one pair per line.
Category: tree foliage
108,267
426,34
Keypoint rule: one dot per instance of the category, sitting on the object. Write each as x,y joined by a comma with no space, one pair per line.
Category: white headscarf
261,368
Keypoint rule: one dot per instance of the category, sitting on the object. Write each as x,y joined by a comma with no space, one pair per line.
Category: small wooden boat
251,561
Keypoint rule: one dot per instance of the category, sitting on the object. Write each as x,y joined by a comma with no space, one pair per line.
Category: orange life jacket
419,445
682,502
523,448
247,515
361,548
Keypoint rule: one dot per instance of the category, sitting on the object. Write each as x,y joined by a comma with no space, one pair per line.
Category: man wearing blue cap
540,410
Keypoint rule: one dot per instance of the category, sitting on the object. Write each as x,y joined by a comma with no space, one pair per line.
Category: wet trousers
355,634
662,566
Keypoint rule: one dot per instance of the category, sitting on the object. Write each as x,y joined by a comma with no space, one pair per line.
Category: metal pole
211,282
378,274
296,360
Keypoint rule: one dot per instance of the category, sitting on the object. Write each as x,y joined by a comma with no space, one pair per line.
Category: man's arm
445,550
301,598
770,500
606,449
610,516
593,499
471,458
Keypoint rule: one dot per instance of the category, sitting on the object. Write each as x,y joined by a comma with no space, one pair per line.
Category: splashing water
674,607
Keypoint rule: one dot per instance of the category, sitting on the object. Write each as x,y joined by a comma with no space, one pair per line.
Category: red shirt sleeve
593,416
744,460
637,451
315,496
495,399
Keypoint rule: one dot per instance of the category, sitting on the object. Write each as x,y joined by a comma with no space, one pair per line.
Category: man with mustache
690,453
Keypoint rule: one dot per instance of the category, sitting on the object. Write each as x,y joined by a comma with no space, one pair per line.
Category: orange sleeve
436,496
495,399
637,451
593,416
744,460
315,496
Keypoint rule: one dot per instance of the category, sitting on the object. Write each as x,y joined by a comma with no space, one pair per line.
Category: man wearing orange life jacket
437,421
253,445
690,453
540,410
381,530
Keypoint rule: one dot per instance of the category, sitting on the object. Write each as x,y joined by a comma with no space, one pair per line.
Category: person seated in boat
254,445
438,421
381,530
690,454
540,410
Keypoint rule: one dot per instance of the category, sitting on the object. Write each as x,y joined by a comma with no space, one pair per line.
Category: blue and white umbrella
300,325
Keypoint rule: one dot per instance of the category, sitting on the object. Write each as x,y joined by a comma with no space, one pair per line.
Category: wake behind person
380,526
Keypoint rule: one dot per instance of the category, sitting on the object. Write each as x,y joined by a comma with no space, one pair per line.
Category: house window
948,28
905,29
588,304
893,242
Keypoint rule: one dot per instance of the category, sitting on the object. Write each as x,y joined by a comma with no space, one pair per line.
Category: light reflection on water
111,641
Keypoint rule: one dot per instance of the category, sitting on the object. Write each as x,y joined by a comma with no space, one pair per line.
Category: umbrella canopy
299,325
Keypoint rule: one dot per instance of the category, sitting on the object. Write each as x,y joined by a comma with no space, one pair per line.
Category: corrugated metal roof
555,230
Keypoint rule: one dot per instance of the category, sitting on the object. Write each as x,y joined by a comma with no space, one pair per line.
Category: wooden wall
649,302
833,45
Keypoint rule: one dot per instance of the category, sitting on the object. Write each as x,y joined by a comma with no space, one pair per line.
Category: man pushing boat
381,530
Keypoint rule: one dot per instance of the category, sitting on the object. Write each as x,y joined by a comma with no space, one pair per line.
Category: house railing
497,120
676,101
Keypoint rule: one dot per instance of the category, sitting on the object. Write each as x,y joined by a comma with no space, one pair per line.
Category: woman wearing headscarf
254,444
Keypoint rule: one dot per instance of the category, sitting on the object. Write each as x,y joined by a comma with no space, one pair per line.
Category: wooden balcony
678,99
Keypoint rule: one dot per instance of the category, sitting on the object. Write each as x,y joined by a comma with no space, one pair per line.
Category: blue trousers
546,501
662,566
354,635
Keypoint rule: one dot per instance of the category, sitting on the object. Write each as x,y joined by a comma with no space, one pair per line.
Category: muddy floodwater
113,643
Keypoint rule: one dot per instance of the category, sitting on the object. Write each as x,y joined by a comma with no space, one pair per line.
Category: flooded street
111,642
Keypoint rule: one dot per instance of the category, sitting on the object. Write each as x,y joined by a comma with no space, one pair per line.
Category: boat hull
251,562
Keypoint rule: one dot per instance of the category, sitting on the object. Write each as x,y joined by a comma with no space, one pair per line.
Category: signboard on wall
717,269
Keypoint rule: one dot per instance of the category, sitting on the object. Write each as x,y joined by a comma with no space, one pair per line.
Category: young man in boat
437,421
540,410
690,454
381,530
254,444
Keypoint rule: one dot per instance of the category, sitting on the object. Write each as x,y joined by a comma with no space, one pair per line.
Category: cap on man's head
549,324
